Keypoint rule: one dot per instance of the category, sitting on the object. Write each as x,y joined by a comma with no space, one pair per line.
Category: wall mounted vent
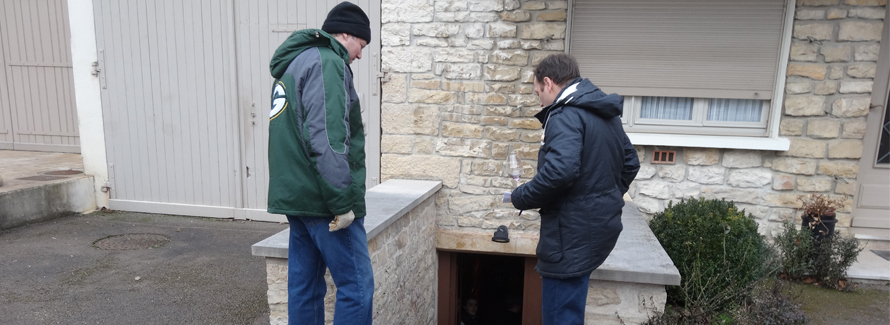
664,157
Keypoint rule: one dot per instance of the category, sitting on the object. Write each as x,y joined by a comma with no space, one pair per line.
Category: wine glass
514,167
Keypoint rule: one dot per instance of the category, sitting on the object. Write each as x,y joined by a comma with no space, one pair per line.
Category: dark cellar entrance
505,288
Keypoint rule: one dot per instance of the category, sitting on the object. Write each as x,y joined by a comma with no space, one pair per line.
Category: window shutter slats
703,49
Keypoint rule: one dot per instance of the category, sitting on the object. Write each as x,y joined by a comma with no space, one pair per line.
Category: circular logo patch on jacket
279,100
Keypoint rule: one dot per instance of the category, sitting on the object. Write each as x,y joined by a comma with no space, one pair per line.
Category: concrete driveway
50,272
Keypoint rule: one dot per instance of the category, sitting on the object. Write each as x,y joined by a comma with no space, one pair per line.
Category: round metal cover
131,242
63,172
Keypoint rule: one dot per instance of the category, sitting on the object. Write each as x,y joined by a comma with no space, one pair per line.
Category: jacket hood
298,42
584,94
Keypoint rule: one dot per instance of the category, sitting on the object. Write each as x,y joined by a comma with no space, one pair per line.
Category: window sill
705,141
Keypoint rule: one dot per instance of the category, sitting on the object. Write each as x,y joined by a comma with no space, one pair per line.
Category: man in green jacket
317,167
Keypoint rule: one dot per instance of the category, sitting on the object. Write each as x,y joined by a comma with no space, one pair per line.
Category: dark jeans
312,249
564,300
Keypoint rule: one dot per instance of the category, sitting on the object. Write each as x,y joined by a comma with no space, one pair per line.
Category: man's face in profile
354,45
545,91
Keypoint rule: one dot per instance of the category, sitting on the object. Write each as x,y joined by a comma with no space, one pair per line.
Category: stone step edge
871,278
871,237
44,202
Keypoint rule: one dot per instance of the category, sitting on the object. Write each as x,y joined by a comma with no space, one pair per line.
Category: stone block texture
623,303
460,98
403,257
831,69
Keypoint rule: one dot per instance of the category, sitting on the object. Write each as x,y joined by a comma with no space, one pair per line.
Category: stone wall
460,96
621,303
829,82
403,257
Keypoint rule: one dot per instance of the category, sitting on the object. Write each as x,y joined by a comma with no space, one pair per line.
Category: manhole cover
63,172
40,178
131,241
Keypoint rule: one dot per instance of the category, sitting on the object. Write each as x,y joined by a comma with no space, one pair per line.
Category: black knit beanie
348,18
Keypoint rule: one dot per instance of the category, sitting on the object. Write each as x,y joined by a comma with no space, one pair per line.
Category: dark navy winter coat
585,165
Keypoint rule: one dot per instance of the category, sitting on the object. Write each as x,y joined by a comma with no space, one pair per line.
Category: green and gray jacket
316,140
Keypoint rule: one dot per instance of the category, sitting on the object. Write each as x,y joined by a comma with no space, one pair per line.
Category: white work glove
341,221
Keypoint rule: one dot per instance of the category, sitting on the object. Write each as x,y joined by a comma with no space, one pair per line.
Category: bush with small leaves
824,261
794,247
716,248
833,256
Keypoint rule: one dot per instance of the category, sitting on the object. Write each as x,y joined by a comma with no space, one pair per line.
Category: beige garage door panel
874,196
38,99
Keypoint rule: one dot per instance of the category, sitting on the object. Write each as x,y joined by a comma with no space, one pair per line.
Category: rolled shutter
704,49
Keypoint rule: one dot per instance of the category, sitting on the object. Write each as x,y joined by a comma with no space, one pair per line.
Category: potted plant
819,214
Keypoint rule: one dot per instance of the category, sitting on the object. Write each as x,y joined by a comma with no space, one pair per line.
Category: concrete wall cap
638,256
386,203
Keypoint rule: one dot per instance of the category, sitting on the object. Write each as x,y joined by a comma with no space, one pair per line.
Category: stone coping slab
638,256
386,203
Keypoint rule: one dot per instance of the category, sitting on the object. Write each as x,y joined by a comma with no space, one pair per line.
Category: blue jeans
564,300
345,252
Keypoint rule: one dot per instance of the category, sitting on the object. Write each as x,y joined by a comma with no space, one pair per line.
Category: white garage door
185,88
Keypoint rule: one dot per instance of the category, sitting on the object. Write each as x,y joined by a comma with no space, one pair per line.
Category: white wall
87,96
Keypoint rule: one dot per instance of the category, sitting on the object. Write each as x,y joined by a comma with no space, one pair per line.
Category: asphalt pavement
54,273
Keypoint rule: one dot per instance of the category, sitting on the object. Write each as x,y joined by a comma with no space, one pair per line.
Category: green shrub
716,248
833,257
794,247
826,260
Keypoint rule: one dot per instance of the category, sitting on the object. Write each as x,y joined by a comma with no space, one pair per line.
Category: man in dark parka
585,165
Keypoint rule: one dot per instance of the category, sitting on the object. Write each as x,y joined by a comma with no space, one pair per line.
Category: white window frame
699,124
731,135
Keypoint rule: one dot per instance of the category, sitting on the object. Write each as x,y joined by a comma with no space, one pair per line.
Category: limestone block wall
829,83
622,303
403,257
460,97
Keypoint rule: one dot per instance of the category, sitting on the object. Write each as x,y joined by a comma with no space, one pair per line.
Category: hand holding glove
341,221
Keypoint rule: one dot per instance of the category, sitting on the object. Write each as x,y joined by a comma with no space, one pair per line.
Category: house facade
760,101
756,101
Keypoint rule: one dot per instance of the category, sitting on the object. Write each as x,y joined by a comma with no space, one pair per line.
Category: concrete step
871,233
22,205
869,267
